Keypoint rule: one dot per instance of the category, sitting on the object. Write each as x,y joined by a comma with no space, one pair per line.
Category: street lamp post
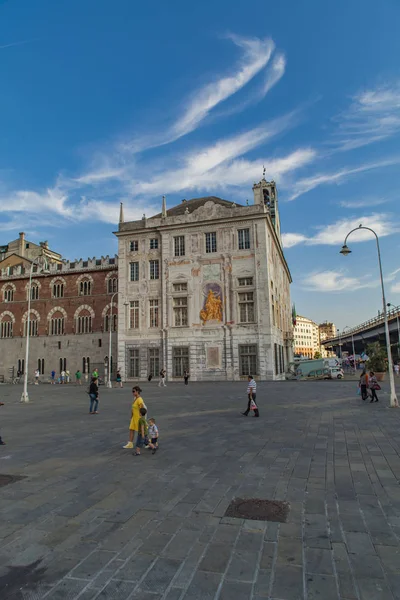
340,349
345,251
398,327
352,344
109,384
39,260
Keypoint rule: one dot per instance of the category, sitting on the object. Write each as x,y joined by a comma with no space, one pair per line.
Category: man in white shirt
37,375
251,395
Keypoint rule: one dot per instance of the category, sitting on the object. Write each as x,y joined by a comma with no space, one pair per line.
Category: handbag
358,391
253,405
376,386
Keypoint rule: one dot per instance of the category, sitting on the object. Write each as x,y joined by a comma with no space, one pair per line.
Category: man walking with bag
251,394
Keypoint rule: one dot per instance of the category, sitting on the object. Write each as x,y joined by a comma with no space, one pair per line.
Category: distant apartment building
306,337
326,330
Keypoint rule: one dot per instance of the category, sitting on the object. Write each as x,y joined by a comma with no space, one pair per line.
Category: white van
336,373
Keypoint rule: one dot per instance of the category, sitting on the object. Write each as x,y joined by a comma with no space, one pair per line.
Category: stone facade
69,316
204,286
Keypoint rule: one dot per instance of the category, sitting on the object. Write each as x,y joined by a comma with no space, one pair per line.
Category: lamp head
345,250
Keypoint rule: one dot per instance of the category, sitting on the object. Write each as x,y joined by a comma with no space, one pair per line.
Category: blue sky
106,101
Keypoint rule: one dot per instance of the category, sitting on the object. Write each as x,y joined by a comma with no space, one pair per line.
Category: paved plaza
90,521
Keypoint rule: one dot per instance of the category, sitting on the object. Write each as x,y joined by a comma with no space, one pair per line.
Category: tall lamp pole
398,328
340,349
345,251
352,344
109,384
40,261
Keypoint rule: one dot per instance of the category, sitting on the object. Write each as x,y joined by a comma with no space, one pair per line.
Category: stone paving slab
90,522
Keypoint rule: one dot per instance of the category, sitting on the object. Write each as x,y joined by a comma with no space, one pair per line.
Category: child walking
153,435
142,431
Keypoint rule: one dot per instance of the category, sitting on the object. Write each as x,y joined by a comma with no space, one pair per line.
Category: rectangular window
179,245
246,307
180,312
154,244
180,287
154,362
99,342
154,269
248,360
245,281
133,363
134,314
211,242
134,246
180,361
276,358
134,267
244,239
153,313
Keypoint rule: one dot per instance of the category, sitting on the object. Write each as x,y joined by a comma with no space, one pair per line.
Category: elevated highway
370,331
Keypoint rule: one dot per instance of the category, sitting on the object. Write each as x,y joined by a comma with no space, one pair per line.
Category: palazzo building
70,314
306,338
205,287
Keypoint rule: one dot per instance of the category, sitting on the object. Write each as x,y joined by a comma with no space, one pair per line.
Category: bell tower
265,194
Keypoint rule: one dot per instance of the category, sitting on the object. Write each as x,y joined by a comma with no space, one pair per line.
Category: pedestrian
78,377
94,396
142,431
397,369
150,377
153,435
251,395
364,384
186,376
163,374
53,377
95,374
119,378
62,374
1,441
135,415
67,376
37,375
373,386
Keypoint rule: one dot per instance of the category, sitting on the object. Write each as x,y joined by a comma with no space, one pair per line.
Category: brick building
69,316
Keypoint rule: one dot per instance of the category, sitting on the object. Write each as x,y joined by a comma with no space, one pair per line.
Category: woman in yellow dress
135,414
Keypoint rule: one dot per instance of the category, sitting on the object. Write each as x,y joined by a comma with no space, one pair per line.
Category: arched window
85,365
6,327
85,287
33,326
114,322
112,285
34,291
58,290
57,324
63,364
8,294
41,365
84,323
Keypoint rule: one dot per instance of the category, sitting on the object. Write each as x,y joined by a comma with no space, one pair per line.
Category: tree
377,358
318,355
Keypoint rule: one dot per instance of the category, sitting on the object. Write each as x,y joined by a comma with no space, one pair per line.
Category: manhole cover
8,479
258,510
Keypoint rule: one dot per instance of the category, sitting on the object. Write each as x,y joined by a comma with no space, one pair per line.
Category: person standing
135,415
53,377
119,378
37,375
373,386
364,384
67,376
163,374
95,374
94,397
142,431
78,377
186,376
251,395
396,369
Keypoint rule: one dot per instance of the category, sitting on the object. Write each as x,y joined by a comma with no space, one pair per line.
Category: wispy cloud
367,202
17,43
335,233
373,115
335,281
307,184
395,289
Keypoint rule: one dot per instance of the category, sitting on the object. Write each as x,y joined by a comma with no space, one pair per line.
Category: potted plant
377,360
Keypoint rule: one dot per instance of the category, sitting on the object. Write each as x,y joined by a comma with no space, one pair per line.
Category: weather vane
263,172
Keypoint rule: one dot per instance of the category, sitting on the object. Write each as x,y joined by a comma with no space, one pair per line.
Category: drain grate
257,509
8,479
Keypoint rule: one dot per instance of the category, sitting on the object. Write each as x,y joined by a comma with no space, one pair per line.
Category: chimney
164,208
121,212
21,251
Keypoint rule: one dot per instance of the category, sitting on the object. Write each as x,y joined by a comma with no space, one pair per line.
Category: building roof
194,203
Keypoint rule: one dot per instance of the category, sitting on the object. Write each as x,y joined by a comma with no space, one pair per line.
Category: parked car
319,374
336,373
